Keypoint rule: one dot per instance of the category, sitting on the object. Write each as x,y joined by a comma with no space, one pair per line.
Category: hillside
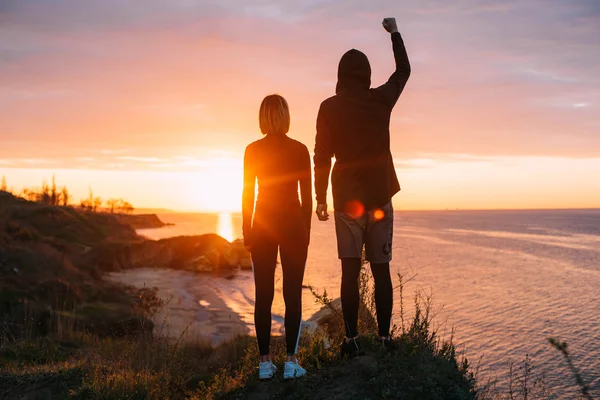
52,260
45,275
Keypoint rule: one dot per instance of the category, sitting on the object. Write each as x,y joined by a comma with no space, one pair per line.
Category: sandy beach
192,311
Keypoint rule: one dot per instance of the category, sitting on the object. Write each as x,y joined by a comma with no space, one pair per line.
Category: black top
353,127
279,163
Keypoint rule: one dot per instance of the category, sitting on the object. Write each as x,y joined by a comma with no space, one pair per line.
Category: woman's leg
294,249
264,261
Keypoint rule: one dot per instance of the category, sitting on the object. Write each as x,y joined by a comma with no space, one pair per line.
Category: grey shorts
374,230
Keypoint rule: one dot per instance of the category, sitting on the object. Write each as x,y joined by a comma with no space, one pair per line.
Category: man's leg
384,297
350,239
379,254
350,295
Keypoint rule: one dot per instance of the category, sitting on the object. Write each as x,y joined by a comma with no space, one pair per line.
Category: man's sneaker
387,344
266,370
350,349
292,370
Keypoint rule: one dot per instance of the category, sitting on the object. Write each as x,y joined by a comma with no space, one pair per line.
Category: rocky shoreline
141,221
203,253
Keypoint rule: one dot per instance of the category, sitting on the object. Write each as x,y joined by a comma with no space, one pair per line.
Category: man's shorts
374,229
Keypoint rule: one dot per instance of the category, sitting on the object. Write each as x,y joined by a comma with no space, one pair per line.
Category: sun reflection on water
225,226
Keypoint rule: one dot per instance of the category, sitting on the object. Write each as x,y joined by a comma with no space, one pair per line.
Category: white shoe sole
292,375
267,375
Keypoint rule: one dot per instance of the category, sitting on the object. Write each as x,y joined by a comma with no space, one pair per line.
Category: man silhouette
353,127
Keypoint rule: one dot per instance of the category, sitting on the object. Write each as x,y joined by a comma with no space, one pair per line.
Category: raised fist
389,25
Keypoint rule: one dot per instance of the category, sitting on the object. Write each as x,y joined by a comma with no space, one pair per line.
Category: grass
83,365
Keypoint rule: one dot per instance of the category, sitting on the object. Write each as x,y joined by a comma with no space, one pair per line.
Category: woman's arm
306,189
248,197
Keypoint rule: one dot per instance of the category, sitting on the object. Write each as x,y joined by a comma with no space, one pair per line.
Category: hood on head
354,71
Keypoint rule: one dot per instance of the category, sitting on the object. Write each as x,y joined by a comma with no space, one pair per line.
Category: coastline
55,265
141,221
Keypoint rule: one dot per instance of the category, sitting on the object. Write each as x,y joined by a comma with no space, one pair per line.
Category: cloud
141,159
156,77
37,161
114,151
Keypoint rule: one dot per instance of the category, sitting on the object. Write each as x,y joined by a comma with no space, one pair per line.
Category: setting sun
219,189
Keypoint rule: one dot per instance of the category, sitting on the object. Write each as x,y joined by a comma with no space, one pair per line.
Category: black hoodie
353,127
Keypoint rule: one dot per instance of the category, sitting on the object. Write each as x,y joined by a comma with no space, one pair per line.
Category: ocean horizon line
172,211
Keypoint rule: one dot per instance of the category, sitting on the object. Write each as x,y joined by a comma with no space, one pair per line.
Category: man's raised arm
391,90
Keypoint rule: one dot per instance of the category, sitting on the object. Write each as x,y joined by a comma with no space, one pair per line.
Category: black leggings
384,295
292,243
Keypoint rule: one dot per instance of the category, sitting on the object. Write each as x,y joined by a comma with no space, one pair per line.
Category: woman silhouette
281,223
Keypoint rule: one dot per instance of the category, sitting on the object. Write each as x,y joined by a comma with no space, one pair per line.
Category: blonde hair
274,115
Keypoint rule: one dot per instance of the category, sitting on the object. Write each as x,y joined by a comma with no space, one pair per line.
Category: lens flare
355,209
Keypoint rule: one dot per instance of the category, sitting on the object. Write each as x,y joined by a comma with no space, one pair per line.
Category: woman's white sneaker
292,370
266,370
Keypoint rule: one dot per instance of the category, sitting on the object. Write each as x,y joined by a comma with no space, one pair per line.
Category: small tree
65,196
90,200
28,194
3,187
119,205
111,204
88,204
44,196
128,208
54,195
97,203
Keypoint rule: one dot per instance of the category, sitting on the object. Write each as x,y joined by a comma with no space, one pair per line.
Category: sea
502,284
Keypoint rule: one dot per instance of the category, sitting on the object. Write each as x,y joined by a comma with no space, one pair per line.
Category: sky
154,101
